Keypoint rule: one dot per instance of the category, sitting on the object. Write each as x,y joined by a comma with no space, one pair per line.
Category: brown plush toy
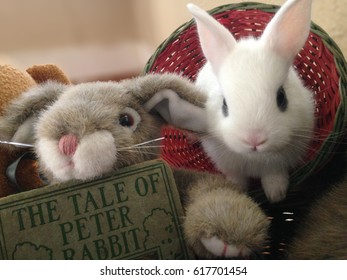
13,82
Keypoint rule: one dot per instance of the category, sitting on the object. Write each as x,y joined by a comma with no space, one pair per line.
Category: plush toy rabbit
88,130
260,115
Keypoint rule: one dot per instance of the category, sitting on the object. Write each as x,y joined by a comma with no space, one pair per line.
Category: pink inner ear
68,144
215,40
287,32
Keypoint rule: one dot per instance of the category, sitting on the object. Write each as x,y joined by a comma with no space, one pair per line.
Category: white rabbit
260,115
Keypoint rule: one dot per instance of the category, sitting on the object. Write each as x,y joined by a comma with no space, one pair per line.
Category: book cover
134,213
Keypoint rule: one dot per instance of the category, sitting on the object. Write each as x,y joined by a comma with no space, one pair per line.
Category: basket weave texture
320,64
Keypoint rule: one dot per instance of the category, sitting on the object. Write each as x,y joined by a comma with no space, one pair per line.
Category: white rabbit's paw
275,187
219,248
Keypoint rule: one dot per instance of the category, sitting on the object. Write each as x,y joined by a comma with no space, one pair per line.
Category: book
134,213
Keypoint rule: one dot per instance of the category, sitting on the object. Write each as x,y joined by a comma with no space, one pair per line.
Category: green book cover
134,213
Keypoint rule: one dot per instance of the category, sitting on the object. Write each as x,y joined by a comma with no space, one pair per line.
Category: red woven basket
322,68
320,64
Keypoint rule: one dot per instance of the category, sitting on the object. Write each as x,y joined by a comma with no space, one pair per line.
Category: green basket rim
220,9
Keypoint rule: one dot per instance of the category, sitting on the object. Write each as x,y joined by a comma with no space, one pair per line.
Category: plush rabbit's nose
68,144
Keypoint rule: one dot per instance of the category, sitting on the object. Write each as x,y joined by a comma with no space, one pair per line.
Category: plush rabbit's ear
177,111
215,40
287,32
175,98
18,119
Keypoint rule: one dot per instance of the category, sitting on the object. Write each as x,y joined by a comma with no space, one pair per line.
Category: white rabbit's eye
282,102
225,108
129,118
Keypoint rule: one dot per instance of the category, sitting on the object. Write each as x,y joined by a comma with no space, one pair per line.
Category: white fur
89,161
248,74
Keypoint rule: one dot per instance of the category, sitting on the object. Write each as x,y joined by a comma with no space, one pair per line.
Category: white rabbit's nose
255,140
68,144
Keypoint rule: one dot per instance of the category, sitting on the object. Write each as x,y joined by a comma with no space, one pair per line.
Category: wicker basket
320,64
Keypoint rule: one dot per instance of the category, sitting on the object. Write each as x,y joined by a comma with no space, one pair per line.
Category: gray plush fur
89,107
146,86
29,104
216,207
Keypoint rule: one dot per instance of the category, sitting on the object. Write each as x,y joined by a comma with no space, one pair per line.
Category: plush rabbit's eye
126,120
129,118
282,102
225,108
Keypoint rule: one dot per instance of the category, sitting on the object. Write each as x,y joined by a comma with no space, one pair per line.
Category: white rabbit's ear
177,111
287,32
216,41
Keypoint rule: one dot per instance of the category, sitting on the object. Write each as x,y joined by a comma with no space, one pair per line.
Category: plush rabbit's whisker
143,145
17,144
147,142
